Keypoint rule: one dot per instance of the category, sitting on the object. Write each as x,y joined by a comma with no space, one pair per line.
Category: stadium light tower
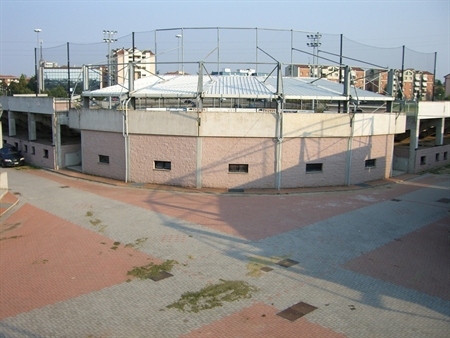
315,44
178,36
38,59
108,38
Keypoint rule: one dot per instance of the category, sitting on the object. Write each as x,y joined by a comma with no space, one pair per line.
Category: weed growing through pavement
137,243
213,296
257,262
151,270
12,237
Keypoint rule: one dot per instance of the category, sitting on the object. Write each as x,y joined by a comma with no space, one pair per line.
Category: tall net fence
181,49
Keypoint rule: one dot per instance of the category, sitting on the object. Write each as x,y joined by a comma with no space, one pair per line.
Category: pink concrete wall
371,147
297,152
68,149
430,157
97,143
35,158
180,151
258,153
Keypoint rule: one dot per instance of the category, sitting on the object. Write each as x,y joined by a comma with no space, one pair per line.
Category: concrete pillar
56,140
440,124
31,127
11,123
413,145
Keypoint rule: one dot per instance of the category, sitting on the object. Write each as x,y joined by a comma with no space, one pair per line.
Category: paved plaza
371,261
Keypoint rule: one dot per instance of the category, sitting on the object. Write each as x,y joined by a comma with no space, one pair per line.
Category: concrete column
440,124
56,140
11,123
31,127
413,145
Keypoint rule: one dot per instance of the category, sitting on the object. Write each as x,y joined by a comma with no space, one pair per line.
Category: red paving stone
45,259
418,261
7,201
270,215
260,320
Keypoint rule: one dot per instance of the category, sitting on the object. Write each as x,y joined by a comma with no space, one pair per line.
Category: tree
58,91
439,91
20,87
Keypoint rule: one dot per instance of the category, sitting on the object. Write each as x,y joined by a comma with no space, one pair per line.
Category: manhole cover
296,311
444,200
395,200
161,275
287,262
266,269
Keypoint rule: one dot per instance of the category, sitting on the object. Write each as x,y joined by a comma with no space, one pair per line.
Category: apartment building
330,73
144,64
417,84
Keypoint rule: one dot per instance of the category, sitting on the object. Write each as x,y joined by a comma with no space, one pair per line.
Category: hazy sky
422,26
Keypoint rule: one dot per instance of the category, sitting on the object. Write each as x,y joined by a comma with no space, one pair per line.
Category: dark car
10,156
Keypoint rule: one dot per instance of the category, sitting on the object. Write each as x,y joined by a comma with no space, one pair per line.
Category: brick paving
374,261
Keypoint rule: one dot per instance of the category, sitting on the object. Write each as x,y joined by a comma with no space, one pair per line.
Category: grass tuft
151,270
213,296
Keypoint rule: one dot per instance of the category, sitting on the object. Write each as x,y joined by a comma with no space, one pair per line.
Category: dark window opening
370,163
163,165
45,153
33,150
238,168
437,157
16,145
103,159
25,148
423,160
314,167
445,156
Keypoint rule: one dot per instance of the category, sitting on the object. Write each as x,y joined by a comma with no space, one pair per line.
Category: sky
423,27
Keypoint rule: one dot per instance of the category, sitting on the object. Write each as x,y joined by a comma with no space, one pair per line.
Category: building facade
144,64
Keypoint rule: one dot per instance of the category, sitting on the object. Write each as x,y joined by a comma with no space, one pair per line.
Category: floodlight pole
178,36
38,58
108,38
315,44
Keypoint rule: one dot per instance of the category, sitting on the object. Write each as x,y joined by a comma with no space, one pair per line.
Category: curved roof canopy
226,86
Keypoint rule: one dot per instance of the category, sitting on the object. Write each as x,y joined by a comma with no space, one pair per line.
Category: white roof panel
237,87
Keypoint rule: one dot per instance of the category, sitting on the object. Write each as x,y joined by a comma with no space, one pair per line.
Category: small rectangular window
33,150
16,145
423,160
370,163
445,156
103,159
437,157
238,168
163,165
45,153
314,167
25,148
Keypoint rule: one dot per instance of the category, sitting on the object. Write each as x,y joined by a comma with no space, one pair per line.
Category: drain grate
235,190
296,311
161,275
395,200
266,269
287,262
444,200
